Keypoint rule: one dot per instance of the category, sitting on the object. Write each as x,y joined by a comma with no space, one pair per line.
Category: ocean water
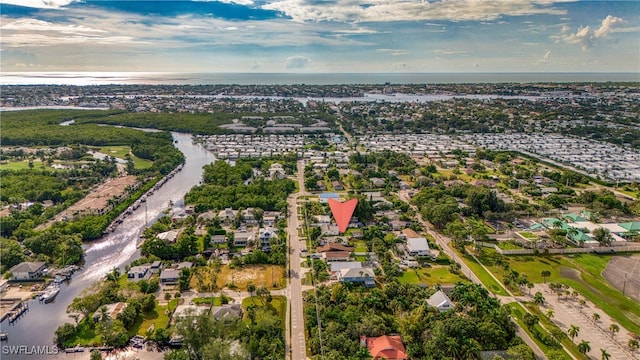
160,78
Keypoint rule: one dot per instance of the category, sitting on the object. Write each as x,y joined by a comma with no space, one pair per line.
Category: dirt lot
618,267
259,275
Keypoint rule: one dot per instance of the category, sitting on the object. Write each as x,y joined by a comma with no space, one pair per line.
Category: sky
320,36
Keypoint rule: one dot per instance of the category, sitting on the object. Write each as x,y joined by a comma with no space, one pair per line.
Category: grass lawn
484,276
21,165
121,151
528,235
431,276
217,300
586,278
85,336
509,245
278,305
259,275
360,246
517,312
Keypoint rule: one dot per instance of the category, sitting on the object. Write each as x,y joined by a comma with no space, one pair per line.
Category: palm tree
614,328
595,317
573,331
584,347
633,344
603,236
549,313
545,274
605,354
538,298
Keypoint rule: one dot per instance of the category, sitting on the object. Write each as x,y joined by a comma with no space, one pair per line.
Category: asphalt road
295,330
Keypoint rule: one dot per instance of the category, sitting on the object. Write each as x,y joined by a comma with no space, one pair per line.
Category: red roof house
386,347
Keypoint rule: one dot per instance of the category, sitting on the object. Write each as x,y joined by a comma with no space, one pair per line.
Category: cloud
297,62
546,56
586,36
410,10
45,26
40,4
449,52
393,52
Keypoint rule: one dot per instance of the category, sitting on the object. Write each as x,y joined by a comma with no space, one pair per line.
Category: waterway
116,249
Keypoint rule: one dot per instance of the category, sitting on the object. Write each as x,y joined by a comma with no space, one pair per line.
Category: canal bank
116,249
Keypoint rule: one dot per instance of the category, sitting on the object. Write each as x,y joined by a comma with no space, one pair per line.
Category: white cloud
41,4
393,52
39,25
297,62
410,10
449,52
586,36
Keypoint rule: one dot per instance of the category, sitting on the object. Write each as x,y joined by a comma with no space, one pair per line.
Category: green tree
11,253
584,347
96,354
545,274
604,354
538,298
602,236
614,328
573,331
521,352
64,333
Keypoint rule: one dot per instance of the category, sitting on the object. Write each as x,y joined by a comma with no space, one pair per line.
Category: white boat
50,294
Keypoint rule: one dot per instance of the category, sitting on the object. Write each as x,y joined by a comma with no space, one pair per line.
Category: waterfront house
27,270
137,272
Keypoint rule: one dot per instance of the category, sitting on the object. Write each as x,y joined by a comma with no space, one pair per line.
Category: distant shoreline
172,78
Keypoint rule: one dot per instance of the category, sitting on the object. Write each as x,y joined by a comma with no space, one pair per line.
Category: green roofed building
575,217
633,226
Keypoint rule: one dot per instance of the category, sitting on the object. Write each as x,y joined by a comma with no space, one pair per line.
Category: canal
117,249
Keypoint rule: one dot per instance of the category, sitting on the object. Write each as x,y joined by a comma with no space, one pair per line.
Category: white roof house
418,247
441,301
169,236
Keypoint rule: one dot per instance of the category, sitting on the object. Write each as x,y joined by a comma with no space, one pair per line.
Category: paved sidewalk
567,311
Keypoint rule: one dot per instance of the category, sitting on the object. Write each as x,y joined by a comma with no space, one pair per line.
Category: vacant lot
271,276
430,276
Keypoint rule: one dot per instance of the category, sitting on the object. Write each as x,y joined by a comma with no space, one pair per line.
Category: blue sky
320,36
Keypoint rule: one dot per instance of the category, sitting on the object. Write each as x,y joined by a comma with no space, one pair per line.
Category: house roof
387,347
438,299
409,233
630,226
28,266
355,273
336,255
226,311
418,244
328,247
170,235
169,274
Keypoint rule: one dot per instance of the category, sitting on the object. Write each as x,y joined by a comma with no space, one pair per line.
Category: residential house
242,238
27,270
169,236
248,217
276,171
403,185
386,347
266,234
334,252
324,197
169,276
156,267
188,310
418,246
269,218
137,272
377,182
320,185
363,276
227,215
218,239
337,185
336,266
227,312
185,265
329,230
441,301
